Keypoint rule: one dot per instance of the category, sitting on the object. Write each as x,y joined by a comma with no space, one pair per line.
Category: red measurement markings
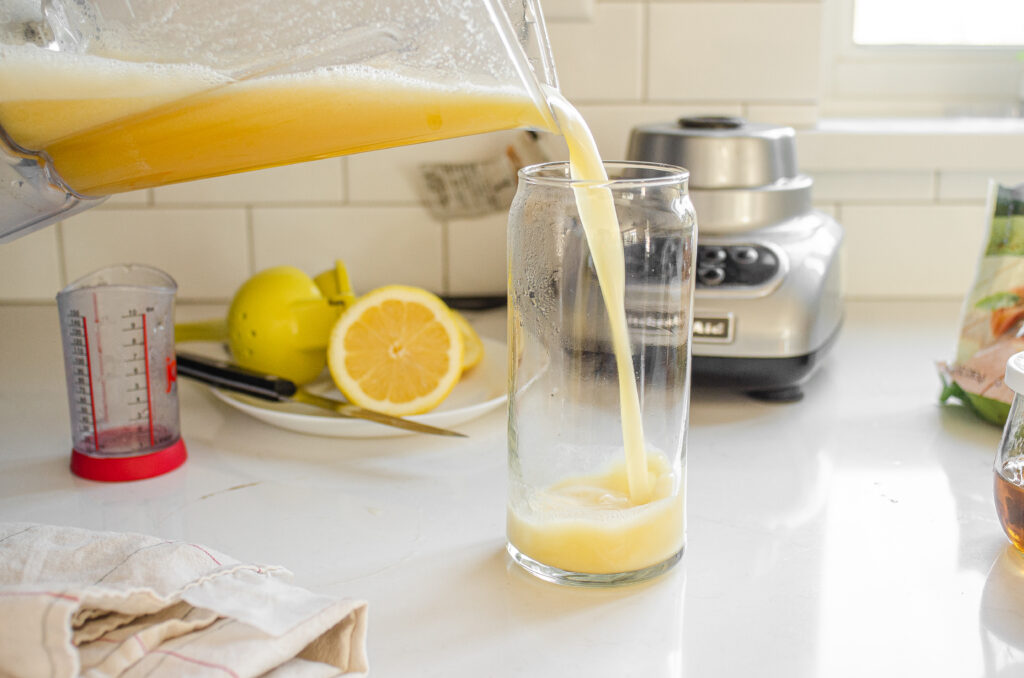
99,357
92,397
149,395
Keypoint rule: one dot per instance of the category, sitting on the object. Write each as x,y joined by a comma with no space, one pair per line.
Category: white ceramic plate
481,390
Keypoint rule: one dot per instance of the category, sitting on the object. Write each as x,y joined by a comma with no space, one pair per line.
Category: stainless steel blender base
769,379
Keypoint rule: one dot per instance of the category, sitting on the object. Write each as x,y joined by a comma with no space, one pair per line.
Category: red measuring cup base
120,469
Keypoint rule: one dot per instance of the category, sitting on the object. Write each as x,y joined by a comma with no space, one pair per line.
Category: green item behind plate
992,411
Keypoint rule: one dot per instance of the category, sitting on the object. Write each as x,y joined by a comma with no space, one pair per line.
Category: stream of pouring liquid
601,226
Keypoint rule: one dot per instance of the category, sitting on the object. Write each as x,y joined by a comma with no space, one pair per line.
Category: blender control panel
739,265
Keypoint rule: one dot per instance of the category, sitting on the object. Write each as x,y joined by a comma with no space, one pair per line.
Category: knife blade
354,411
232,377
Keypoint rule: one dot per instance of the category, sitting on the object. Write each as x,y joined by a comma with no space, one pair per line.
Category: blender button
712,255
712,275
744,254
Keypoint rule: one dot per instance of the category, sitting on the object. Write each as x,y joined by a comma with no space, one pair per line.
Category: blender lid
743,175
720,152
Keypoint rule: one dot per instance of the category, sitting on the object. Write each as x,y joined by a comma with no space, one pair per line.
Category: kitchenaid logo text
713,328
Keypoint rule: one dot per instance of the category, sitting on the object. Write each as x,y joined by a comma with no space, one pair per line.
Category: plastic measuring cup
117,327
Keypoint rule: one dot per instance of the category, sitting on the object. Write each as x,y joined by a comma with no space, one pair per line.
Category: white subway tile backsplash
926,250
476,250
733,50
389,176
317,181
881,109
29,267
601,59
897,145
379,245
204,250
830,209
568,10
873,186
973,186
793,115
131,199
612,124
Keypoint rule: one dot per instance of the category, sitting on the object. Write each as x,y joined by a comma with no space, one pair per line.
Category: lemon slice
397,350
473,345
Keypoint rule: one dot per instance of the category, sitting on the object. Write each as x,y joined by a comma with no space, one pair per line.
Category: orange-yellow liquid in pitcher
120,128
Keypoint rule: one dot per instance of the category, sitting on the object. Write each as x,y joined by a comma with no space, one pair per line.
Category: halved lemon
397,350
473,346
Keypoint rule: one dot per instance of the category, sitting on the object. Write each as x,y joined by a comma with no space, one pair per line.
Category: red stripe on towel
206,552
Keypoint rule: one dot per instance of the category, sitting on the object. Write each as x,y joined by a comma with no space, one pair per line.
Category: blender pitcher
104,96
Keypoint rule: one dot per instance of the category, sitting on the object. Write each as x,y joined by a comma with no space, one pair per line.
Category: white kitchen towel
96,604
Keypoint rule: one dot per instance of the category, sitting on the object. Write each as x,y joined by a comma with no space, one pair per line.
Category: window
978,23
923,57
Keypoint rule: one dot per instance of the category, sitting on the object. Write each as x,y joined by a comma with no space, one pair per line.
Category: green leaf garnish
998,300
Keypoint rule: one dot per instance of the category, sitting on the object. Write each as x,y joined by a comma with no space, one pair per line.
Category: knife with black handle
222,374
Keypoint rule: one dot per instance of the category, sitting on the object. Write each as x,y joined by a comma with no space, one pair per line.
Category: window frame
914,80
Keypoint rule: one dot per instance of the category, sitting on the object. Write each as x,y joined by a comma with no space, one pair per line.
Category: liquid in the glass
590,524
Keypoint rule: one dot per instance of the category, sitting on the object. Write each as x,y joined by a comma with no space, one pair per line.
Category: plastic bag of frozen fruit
992,322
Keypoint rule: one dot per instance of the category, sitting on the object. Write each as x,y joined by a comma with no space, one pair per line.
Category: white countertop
850,534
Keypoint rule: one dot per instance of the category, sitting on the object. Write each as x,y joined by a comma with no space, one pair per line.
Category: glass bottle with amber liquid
1009,466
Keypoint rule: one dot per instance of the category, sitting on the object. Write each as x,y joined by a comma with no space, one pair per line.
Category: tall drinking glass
593,500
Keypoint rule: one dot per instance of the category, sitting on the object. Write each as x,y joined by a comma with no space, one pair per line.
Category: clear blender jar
103,96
